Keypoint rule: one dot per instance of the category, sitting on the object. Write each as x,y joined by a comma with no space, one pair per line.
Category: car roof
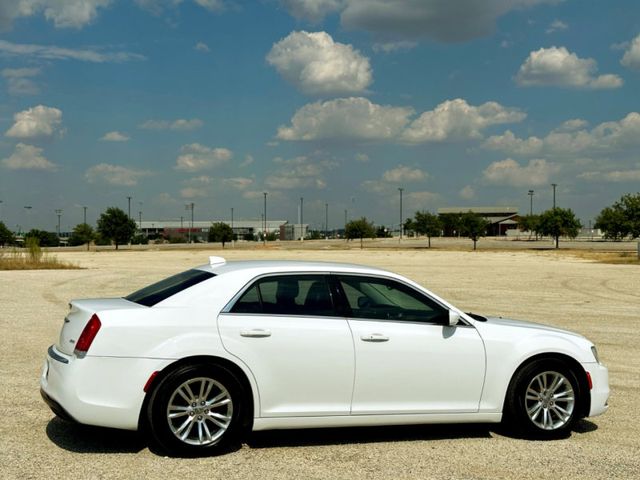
220,266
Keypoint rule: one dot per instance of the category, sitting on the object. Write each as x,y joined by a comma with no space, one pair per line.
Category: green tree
451,223
613,222
631,206
361,228
220,232
6,236
82,233
409,227
473,226
45,239
382,232
116,226
559,221
529,223
426,223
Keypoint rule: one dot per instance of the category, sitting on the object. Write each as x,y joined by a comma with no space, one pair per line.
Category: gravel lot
598,300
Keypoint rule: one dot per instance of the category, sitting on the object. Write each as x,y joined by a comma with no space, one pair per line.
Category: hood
507,322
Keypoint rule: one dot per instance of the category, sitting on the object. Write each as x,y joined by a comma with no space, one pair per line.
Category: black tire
543,400
196,428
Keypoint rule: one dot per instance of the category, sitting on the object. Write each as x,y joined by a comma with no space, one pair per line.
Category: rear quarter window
157,292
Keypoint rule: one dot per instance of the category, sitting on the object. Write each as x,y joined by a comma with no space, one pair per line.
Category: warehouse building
199,231
501,219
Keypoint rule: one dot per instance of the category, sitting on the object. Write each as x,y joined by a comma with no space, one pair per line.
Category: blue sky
338,101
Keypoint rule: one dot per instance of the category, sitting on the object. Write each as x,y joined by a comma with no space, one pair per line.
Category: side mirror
454,318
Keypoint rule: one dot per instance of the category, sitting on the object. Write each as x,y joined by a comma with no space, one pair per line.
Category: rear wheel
196,410
543,400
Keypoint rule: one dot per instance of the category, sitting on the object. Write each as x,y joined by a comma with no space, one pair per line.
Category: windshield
157,292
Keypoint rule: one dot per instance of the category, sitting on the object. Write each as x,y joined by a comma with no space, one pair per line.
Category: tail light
87,336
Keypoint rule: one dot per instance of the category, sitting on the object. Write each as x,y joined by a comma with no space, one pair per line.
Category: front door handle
374,337
255,333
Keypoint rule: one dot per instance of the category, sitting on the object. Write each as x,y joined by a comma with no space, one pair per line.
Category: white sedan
201,358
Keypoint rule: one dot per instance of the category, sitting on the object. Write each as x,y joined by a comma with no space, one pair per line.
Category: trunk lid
79,315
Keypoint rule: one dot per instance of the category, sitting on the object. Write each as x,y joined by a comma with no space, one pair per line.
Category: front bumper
101,391
600,390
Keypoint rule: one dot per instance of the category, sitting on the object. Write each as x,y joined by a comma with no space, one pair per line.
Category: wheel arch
236,370
572,363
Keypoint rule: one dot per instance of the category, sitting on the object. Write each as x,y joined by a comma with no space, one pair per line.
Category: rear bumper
101,391
600,390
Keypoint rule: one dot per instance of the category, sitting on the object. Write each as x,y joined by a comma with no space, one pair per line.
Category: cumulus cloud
38,121
239,183
388,47
63,13
114,175
201,47
631,57
361,157
157,7
312,10
179,124
614,176
572,125
467,192
299,172
404,174
27,157
114,136
457,120
346,118
19,80
52,52
197,157
606,137
509,172
315,64
557,26
556,66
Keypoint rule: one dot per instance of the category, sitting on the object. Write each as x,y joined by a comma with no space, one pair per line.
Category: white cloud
604,138
467,192
312,10
179,124
361,157
157,7
404,174
115,137
299,172
346,118
457,120
248,160
27,157
19,80
197,157
63,13
239,183
631,57
557,26
114,175
388,47
572,125
315,64
193,192
202,47
556,66
511,173
614,176
421,200
51,52
211,5
38,121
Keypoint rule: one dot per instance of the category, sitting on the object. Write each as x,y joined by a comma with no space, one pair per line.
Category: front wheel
543,400
196,410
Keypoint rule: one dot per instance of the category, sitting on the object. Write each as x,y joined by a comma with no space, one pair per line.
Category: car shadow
353,435
86,439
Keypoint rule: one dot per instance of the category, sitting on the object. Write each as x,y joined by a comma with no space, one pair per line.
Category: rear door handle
374,337
255,333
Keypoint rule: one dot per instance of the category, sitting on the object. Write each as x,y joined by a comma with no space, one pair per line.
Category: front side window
287,295
386,299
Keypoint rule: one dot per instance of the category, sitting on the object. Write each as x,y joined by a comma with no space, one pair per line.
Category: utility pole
326,221
28,209
84,215
531,202
189,206
59,214
554,185
129,207
301,218
232,237
264,232
400,190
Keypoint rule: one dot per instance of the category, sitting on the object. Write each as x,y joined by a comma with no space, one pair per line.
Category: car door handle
374,337
255,333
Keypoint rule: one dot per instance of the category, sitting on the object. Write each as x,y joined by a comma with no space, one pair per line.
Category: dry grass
33,258
614,258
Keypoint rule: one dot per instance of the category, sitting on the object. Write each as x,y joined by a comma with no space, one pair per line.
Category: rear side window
149,296
305,295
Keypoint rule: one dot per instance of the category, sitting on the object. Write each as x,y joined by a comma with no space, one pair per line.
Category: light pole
530,202
84,215
554,185
326,221
264,231
232,236
189,206
59,214
400,190
129,207
301,218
